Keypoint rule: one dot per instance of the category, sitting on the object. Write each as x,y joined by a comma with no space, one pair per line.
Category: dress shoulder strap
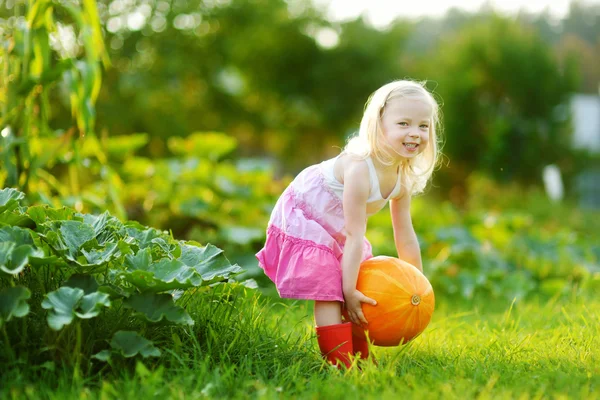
373,175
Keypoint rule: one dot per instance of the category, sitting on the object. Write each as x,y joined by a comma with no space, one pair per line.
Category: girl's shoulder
351,166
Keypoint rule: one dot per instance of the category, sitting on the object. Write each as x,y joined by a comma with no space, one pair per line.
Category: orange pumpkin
405,300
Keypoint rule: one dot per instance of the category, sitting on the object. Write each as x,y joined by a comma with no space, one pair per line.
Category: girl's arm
356,194
405,237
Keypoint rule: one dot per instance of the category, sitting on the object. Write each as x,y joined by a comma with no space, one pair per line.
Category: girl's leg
333,336
328,313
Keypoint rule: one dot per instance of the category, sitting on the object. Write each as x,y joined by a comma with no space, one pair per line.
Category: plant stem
8,347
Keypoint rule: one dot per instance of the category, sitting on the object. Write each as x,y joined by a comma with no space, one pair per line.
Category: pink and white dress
306,234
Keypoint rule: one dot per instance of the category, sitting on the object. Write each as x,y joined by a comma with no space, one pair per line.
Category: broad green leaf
9,194
6,249
37,214
103,355
91,305
97,222
140,261
54,240
163,275
16,218
87,283
143,236
75,234
115,291
9,199
155,307
41,214
162,244
13,303
209,261
100,257
62,304
129,344
250,283
16,234
174,270
39,259
18,258
124,248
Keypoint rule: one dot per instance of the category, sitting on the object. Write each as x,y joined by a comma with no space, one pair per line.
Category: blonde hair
418,170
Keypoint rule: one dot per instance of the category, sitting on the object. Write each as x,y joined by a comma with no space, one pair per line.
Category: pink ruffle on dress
305,237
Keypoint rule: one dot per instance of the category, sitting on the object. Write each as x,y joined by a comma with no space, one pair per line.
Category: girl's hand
353,305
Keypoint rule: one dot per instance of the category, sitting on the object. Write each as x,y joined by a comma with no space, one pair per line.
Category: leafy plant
79,267
199,192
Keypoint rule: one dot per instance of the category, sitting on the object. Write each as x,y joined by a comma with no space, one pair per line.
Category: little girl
316,234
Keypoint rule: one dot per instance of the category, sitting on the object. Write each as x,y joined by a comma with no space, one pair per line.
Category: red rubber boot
359,345
335,343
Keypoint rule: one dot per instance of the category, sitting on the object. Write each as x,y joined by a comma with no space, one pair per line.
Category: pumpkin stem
415,300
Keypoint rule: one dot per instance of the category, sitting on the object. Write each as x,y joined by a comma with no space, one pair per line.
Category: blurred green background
192,116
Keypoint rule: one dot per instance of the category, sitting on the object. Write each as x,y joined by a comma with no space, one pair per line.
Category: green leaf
100,257
163,275
115,291
155,307
18,257
16,218
87,283
39,259
62,304
97,222
6,249
103,355
41,214
162,243
75,234
9,199
140,261
129,344
13,303
124,248
144,237
209,261
16,234
250,283
91,305
173,270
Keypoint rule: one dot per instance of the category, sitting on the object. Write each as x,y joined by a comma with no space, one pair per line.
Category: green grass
248,346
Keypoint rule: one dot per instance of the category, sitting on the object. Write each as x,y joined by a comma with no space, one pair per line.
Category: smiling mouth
411,146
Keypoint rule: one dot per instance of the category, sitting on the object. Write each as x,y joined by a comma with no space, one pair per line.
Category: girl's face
405,124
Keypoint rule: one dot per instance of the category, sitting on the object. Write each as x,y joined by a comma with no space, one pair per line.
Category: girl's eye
402,124
425,126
